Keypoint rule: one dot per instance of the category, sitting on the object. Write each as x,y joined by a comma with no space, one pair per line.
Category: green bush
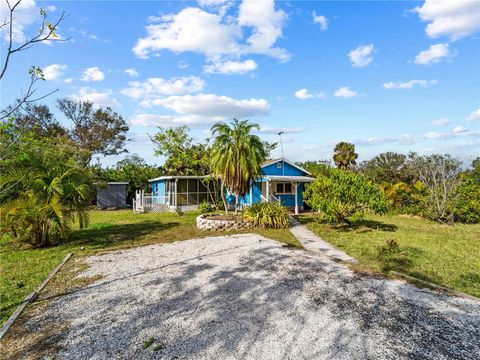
268,215
343,196
466,203
205,207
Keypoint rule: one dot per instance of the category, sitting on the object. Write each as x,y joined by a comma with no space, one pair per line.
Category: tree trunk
236,204
222,190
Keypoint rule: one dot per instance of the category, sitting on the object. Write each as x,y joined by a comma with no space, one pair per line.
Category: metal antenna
281,148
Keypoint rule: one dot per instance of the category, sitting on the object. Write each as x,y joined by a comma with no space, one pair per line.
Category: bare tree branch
46,32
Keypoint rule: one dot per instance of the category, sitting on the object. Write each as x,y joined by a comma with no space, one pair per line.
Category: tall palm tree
344,155
236,157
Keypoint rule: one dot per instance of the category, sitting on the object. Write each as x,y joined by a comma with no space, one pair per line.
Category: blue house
281,180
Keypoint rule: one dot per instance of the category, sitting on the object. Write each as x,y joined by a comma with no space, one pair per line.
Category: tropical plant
236,157
268,215
387,167
183,155
205,207
344,156
343,197
466,201
51,191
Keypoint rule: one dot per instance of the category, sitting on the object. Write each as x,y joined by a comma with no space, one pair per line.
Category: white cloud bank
54,71
320,20
345,92
156,87
231,67
25,15
474,116
98,97
409,84
452,18
361,56
434,54
441,122
92,74
217,35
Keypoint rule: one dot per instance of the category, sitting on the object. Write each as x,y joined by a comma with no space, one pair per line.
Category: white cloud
171,120
211,105
98,97
303,94
453,18
361,56
433,135
276,130
266,27
434,54
345,92
320,20
231,67
182,64
54,71
92,74
459,130
155,87
216,35
68,80
51,8
25,15
441,122
409,84
474,115
131,72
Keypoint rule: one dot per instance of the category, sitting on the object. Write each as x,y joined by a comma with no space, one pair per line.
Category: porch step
312,242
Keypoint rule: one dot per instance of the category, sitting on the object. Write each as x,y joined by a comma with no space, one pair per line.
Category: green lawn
441,254
22,269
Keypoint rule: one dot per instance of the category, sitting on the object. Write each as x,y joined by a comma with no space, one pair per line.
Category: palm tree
344,155
236,157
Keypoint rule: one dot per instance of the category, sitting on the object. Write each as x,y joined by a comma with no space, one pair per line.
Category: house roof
274,161
179,177
302,179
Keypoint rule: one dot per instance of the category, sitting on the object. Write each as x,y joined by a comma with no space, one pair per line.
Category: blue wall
288,171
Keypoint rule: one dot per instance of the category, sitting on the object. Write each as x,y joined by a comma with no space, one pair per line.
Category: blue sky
388,76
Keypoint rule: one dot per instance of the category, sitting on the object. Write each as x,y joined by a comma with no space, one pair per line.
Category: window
279,165
284,188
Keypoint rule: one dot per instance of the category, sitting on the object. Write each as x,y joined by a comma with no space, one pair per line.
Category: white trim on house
179,177
281,178
288,162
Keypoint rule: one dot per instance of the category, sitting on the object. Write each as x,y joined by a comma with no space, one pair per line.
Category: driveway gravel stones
247,297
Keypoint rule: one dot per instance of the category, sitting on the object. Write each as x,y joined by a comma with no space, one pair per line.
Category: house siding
287,170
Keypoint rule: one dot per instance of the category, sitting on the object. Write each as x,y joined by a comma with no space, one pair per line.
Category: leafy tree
387,167
440,177
315,167
344,156
39,120
236,156
183,155
51,190
98,131
134,170
466,202
343,196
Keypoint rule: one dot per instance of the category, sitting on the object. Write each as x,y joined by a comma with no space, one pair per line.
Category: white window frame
279,165
283,187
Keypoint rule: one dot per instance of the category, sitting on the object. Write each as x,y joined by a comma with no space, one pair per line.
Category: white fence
144,203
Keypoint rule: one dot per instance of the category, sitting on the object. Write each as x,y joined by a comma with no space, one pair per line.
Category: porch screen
191,192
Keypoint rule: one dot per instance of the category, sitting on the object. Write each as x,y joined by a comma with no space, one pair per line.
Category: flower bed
219,223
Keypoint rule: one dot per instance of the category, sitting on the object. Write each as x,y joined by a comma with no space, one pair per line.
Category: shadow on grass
117,234
362,224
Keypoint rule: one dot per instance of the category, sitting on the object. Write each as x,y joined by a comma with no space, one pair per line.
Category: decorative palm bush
268,215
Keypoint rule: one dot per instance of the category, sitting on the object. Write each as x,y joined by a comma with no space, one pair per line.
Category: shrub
268,215
205,207
389,248
343,196
466,204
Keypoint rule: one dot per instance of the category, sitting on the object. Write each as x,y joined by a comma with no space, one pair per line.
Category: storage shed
113,195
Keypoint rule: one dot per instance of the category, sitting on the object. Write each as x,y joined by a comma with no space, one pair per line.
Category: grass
441,254
22,268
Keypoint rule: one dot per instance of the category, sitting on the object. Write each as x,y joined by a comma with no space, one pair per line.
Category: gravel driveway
247,297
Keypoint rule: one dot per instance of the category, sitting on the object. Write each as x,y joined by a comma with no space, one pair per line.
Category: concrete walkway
312,242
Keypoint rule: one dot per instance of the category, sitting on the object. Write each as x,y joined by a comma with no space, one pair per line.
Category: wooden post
267,191
296,197
251,193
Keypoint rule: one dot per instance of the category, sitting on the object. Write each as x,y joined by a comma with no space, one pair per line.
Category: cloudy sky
388,76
